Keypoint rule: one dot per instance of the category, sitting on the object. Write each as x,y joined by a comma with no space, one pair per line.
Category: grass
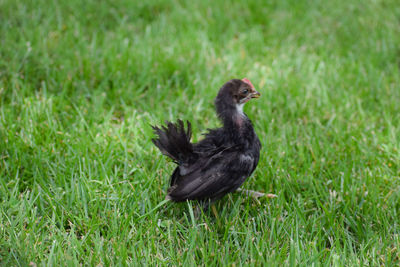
81,82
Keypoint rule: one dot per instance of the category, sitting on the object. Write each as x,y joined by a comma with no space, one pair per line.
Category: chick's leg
255,194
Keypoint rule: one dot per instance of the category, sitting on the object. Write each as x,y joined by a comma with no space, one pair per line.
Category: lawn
81,83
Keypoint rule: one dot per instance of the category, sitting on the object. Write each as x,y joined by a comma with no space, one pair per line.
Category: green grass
81,82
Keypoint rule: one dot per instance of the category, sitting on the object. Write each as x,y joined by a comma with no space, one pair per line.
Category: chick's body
224,159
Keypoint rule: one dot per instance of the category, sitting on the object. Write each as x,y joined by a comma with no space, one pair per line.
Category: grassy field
81,82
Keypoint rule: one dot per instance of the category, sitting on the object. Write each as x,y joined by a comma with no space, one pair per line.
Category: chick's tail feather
174,141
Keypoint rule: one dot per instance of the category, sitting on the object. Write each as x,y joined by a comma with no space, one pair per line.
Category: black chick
222,161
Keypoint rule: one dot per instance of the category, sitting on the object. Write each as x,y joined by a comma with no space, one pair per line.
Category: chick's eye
245,91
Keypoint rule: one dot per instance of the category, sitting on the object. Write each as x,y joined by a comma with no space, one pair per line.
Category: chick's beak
255,94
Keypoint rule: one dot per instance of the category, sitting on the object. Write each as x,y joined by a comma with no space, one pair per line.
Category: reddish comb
248,82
